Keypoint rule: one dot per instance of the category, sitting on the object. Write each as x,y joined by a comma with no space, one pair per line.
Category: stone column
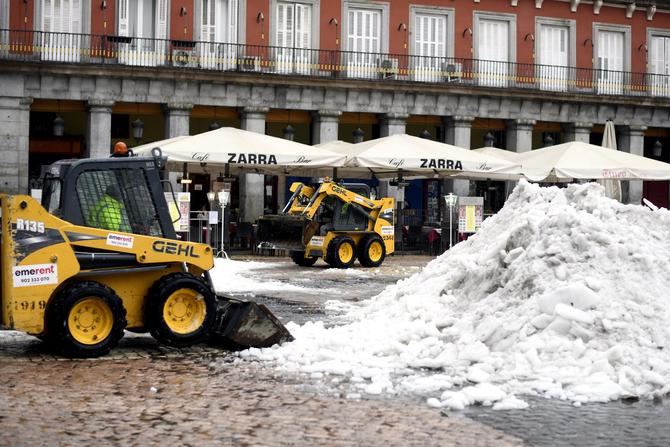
99,129
177,119
14,147
393,124
252,186
325,125
631,139
577,132
459,129
519,139
520,135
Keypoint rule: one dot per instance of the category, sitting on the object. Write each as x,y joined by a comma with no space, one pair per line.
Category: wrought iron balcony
37,46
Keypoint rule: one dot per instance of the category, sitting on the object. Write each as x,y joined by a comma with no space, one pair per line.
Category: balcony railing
37,46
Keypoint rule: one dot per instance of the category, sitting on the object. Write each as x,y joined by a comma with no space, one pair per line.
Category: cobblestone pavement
144,393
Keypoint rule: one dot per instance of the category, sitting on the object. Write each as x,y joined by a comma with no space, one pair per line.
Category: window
659,63
365,31
4,24
432,43
60,22
554,47
494,49
218,26
145,22
293,34
612,49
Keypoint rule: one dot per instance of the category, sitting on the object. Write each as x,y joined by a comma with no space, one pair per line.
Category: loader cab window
347,218
118,200
51,195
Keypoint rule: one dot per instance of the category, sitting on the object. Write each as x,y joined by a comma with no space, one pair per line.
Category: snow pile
564,293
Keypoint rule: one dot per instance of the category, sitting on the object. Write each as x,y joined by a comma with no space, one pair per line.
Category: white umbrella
577,160
499,153
419,156
612,187
245,150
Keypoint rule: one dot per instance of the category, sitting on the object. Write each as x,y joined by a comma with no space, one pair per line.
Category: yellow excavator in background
77,277
332,222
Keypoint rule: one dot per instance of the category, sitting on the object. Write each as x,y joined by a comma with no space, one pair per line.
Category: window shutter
123,17
161,19
76,16
303,26
233,13
47,15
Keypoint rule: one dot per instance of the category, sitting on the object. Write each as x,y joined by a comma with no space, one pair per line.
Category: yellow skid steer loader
332,222
100,255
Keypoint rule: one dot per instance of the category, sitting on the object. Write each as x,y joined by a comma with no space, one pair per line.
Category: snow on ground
564,293
248,278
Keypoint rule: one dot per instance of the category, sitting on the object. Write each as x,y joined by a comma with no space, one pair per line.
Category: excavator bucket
284,231
244,324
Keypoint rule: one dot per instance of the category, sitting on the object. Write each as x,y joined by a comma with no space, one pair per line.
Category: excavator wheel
341,252
371,251
299,258
85,319
180,310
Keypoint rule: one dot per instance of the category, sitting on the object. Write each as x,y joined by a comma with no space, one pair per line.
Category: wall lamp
467,30
402,27
333,21
183,11
103,4
642,46
529,36
588,39
260,17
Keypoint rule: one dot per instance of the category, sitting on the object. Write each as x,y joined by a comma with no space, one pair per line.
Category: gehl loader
336,222
100,255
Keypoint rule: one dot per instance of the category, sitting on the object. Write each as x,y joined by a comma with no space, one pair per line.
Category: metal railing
38,46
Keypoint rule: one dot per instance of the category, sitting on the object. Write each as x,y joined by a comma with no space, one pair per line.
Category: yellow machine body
39,257
300,227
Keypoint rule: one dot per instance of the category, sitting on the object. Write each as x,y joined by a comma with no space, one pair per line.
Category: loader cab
117,194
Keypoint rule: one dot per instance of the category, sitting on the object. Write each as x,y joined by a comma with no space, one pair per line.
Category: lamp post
224,196
211,197
450,200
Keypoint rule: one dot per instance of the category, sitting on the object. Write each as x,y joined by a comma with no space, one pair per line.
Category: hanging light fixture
657,150
489,139
425,134
138,127
59,123
215,125
548,140
289,132
59,126
358,134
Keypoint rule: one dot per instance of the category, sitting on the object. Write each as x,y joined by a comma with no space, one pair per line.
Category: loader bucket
244,324
284,231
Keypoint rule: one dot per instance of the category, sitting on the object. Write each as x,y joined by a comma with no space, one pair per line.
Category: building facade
78,75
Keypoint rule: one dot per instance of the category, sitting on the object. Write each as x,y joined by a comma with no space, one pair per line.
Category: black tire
335,249
166,332
299,258
371,251
69,337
